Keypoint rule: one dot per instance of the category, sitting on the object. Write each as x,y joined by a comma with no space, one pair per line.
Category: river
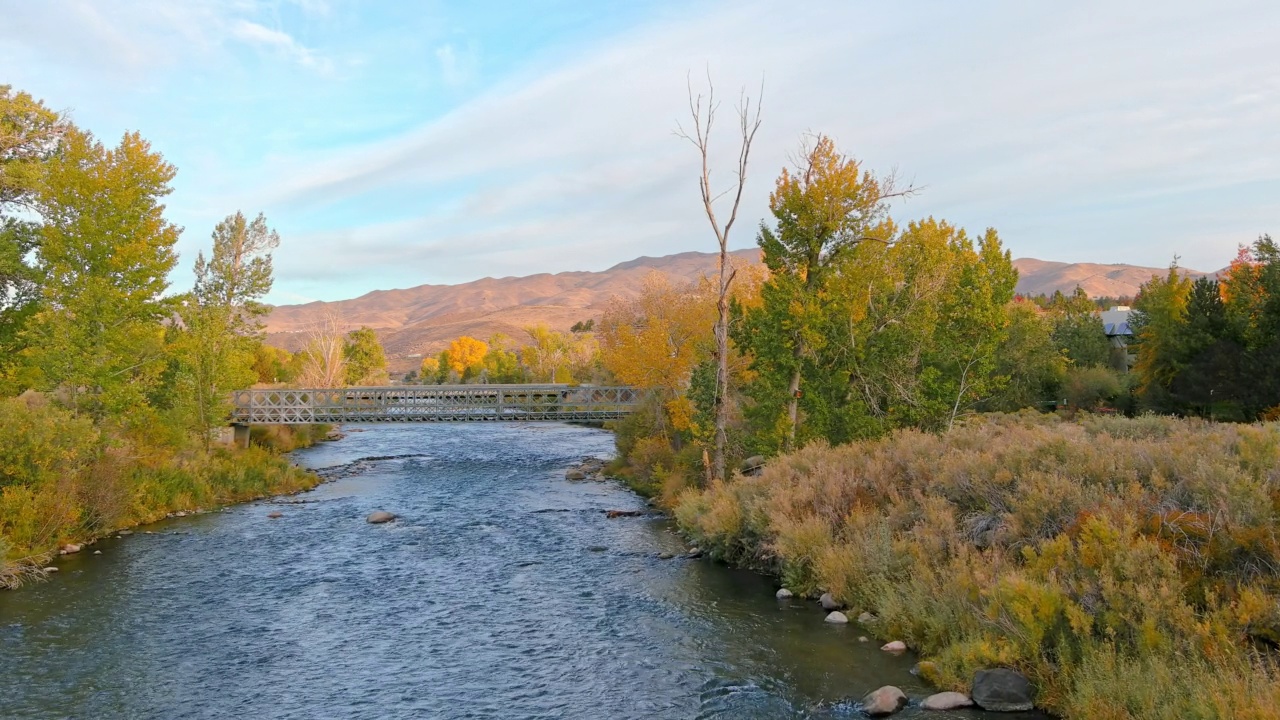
501,592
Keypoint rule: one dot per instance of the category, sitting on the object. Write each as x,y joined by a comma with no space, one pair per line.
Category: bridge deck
434,403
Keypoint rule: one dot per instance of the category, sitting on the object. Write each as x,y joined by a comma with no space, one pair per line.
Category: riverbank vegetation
1128,566
985,473
113,388
65,478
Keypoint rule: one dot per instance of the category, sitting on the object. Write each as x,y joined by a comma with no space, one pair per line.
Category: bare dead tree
703,114
325,363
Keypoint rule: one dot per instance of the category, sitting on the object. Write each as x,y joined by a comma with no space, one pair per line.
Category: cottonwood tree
366,362
466,353
30,134
221,317
702,114
823,208
105,253
1078,330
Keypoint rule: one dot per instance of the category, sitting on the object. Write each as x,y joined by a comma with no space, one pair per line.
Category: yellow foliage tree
556,356
430,367
466,352
656,339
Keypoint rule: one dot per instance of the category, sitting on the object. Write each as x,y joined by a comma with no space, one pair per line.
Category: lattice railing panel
434,403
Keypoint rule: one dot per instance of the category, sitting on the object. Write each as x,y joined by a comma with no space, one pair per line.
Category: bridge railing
434,403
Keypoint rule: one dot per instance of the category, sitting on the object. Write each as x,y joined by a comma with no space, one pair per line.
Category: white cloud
256,34
1080,131
1052,126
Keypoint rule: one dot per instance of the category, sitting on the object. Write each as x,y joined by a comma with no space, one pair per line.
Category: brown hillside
1042,276
424,319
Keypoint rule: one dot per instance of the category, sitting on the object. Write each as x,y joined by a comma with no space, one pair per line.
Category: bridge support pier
241,438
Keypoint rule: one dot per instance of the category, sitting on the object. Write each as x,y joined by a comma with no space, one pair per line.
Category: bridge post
241,435
499,403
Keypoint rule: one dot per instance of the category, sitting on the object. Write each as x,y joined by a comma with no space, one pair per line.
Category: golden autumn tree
655,340
430,369
466,352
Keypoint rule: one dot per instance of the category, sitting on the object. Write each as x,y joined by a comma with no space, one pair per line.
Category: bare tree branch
702,113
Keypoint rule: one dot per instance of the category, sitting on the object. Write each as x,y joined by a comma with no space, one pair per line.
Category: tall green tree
1078,330
238,274
962,358
1158,323
105,252
217,345
30,134
927,347
822,209
1029,358
366,363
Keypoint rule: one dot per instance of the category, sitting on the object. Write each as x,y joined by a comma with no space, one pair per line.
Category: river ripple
501,592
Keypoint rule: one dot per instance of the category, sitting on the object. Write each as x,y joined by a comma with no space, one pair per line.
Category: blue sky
396,144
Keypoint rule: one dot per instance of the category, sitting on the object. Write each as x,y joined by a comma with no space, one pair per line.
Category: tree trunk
722,365
793,403
701,140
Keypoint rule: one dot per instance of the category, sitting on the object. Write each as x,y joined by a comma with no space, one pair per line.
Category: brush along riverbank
1129,567
66,481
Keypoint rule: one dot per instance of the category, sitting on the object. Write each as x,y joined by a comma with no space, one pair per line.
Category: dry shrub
105,495
798,544
287,438
1032,542
1111,683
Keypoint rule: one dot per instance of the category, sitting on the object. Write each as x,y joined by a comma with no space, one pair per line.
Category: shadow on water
502,591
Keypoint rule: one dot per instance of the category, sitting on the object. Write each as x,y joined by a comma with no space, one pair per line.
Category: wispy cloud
1129,139
282,42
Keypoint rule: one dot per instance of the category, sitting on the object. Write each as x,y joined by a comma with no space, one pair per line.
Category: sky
397,144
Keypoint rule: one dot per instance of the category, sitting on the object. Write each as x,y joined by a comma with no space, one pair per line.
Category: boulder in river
897,646
694,553
622,513
125,533
275,514
828,602
884,701
69,549
837,618
947,701
1003,690
575,474
378,517
51,569
866,618
665,556
783,594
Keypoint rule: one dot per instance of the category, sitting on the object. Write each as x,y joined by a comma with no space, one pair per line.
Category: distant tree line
1211,347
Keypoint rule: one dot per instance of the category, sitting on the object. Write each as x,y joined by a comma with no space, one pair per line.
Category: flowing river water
502,591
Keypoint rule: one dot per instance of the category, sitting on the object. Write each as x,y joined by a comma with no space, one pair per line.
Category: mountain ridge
422,320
